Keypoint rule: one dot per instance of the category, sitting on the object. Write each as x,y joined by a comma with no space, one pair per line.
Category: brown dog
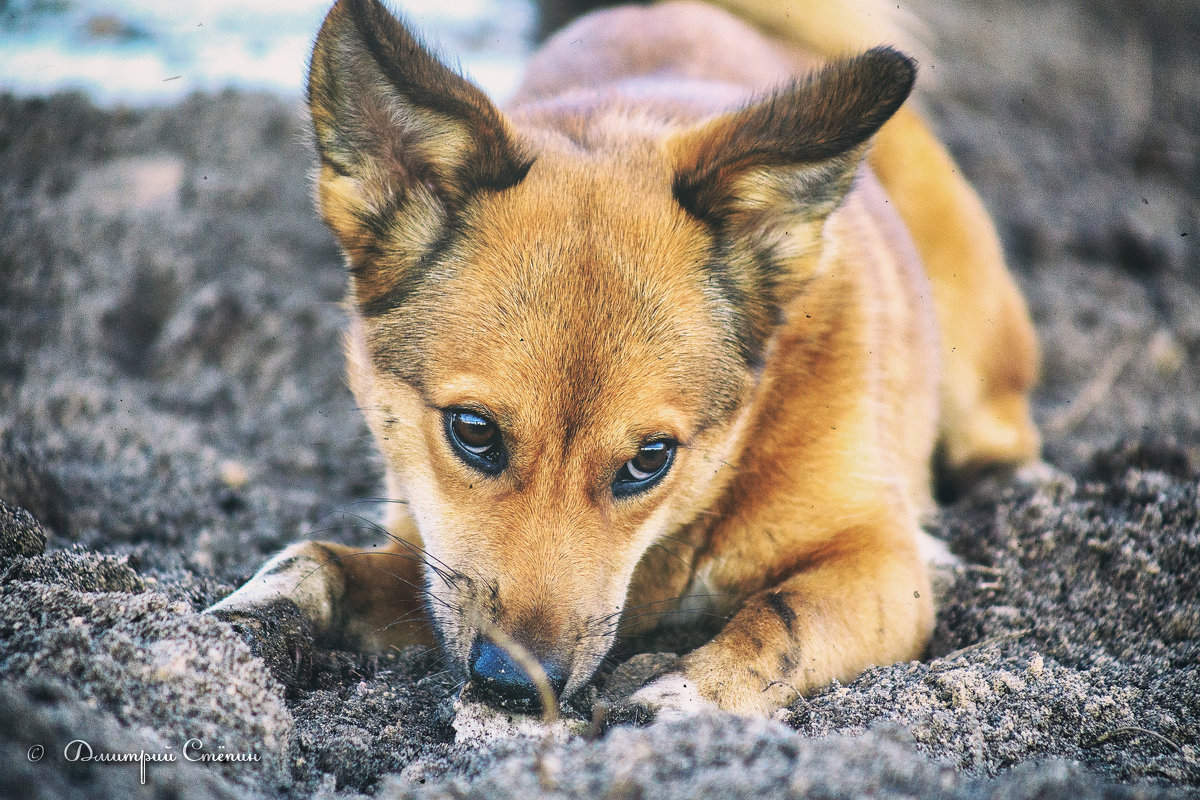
654,340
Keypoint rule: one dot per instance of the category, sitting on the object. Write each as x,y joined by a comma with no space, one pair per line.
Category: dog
684,330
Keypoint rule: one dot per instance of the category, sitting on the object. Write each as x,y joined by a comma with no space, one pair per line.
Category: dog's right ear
404,142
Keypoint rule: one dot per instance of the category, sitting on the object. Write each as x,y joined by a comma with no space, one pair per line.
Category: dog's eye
475,439
639,473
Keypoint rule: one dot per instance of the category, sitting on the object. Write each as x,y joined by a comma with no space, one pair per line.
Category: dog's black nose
498,678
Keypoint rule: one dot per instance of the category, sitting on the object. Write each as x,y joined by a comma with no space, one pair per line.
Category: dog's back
685,54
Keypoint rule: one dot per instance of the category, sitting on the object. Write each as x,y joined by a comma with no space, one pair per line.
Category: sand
172,411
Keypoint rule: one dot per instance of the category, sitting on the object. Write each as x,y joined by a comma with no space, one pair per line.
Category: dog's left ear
404,143
790,158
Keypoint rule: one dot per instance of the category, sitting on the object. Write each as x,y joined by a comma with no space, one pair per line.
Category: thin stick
527,662
1145,732
1092,395
1003,637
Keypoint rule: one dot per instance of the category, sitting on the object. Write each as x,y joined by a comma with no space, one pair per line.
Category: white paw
1040,473
672,697
935,553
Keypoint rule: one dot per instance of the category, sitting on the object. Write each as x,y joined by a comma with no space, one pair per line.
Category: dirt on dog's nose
499,679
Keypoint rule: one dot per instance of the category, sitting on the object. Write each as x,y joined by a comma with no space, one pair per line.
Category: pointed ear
404,142
794,154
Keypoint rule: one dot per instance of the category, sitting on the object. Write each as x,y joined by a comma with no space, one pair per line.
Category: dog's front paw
670,697
278,633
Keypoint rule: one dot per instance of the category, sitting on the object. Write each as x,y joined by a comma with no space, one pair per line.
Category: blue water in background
138,52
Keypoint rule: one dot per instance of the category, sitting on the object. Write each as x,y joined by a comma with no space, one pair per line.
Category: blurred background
138,52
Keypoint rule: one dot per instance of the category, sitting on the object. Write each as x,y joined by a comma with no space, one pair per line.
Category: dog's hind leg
989,351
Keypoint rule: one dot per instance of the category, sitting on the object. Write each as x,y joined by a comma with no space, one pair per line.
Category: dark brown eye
476,440
474,432
649,460
639,473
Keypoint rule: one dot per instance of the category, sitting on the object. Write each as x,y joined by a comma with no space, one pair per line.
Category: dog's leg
323,591
989,352
861,607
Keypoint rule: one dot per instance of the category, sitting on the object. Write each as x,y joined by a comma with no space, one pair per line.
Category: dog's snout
500,679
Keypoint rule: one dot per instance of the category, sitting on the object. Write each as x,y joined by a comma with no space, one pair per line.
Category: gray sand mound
172,411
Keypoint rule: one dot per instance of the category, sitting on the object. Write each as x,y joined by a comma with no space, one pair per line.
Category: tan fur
646,245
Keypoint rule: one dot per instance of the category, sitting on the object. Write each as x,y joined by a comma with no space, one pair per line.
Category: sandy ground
172,411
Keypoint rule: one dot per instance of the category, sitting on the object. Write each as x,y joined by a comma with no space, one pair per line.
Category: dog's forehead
584,288
599,243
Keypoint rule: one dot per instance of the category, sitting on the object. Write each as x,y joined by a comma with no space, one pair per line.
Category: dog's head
557,323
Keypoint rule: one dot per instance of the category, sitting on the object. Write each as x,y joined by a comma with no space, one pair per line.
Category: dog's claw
279,634
629,713
669,697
